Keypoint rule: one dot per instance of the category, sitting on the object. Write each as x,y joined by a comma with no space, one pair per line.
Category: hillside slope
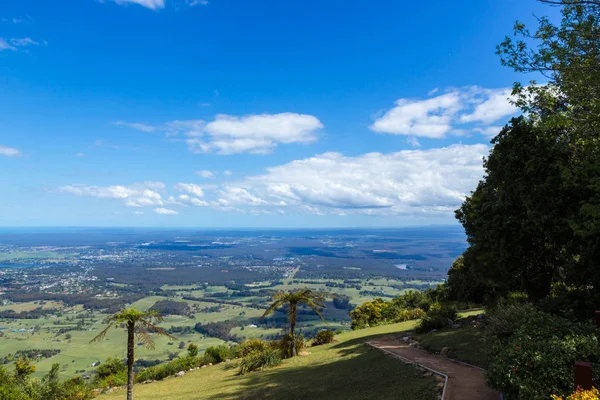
346,369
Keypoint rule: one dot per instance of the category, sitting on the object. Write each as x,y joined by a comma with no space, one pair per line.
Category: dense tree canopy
534,220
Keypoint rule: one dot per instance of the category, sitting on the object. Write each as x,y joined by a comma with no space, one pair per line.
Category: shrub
170,368
284,345
258,360
217,354
251,346
113,372
193,350
537,358
503,320
439,316
24,367
324,336
409,315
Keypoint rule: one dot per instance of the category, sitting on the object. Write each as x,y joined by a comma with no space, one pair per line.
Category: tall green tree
140,324
518,220
534,220
293,299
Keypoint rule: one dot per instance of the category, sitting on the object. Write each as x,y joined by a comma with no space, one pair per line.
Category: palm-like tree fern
293,299
140,324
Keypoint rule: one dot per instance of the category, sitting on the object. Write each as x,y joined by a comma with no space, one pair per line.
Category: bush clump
112,372
532,353
439,316
258,360
284,345
250,346
324,336
217,354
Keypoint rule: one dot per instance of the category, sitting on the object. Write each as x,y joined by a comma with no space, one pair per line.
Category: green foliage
23,367
439,316
409,306
22,387
193,350
217,354
284,345
112,372
536,358
463,283
250,346
258,360
324,336
534,221
170,368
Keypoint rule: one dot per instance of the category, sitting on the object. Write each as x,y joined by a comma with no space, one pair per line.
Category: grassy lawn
465,343
344,370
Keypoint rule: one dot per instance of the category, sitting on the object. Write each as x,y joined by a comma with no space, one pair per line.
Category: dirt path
464,382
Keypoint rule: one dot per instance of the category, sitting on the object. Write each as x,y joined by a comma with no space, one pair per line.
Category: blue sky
265,113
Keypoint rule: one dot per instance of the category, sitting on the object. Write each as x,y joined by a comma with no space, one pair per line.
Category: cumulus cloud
403,183
136,195
190,188
206,174
439,116
227,172
257,134
165,211
9,151
494,107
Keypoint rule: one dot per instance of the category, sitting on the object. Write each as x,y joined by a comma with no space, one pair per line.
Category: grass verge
346,369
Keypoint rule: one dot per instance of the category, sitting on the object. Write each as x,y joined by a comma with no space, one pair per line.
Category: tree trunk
130,358
293,328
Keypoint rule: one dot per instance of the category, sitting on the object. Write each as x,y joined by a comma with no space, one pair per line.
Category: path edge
409,361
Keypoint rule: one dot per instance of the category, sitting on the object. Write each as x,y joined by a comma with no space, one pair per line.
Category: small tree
292,299
138,323
192,350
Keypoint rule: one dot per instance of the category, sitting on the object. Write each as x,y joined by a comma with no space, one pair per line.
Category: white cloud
151,4
138,126
80,154
439,116
136,195
206,174
227,172
165,211
138,213
494,107
9,151
257,134
413,141
185,199
190,188
433,181
192,3
24,42
489,131
260,133
4,45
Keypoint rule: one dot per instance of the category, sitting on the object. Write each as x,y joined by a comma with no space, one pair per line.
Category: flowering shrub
593,394
536,359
